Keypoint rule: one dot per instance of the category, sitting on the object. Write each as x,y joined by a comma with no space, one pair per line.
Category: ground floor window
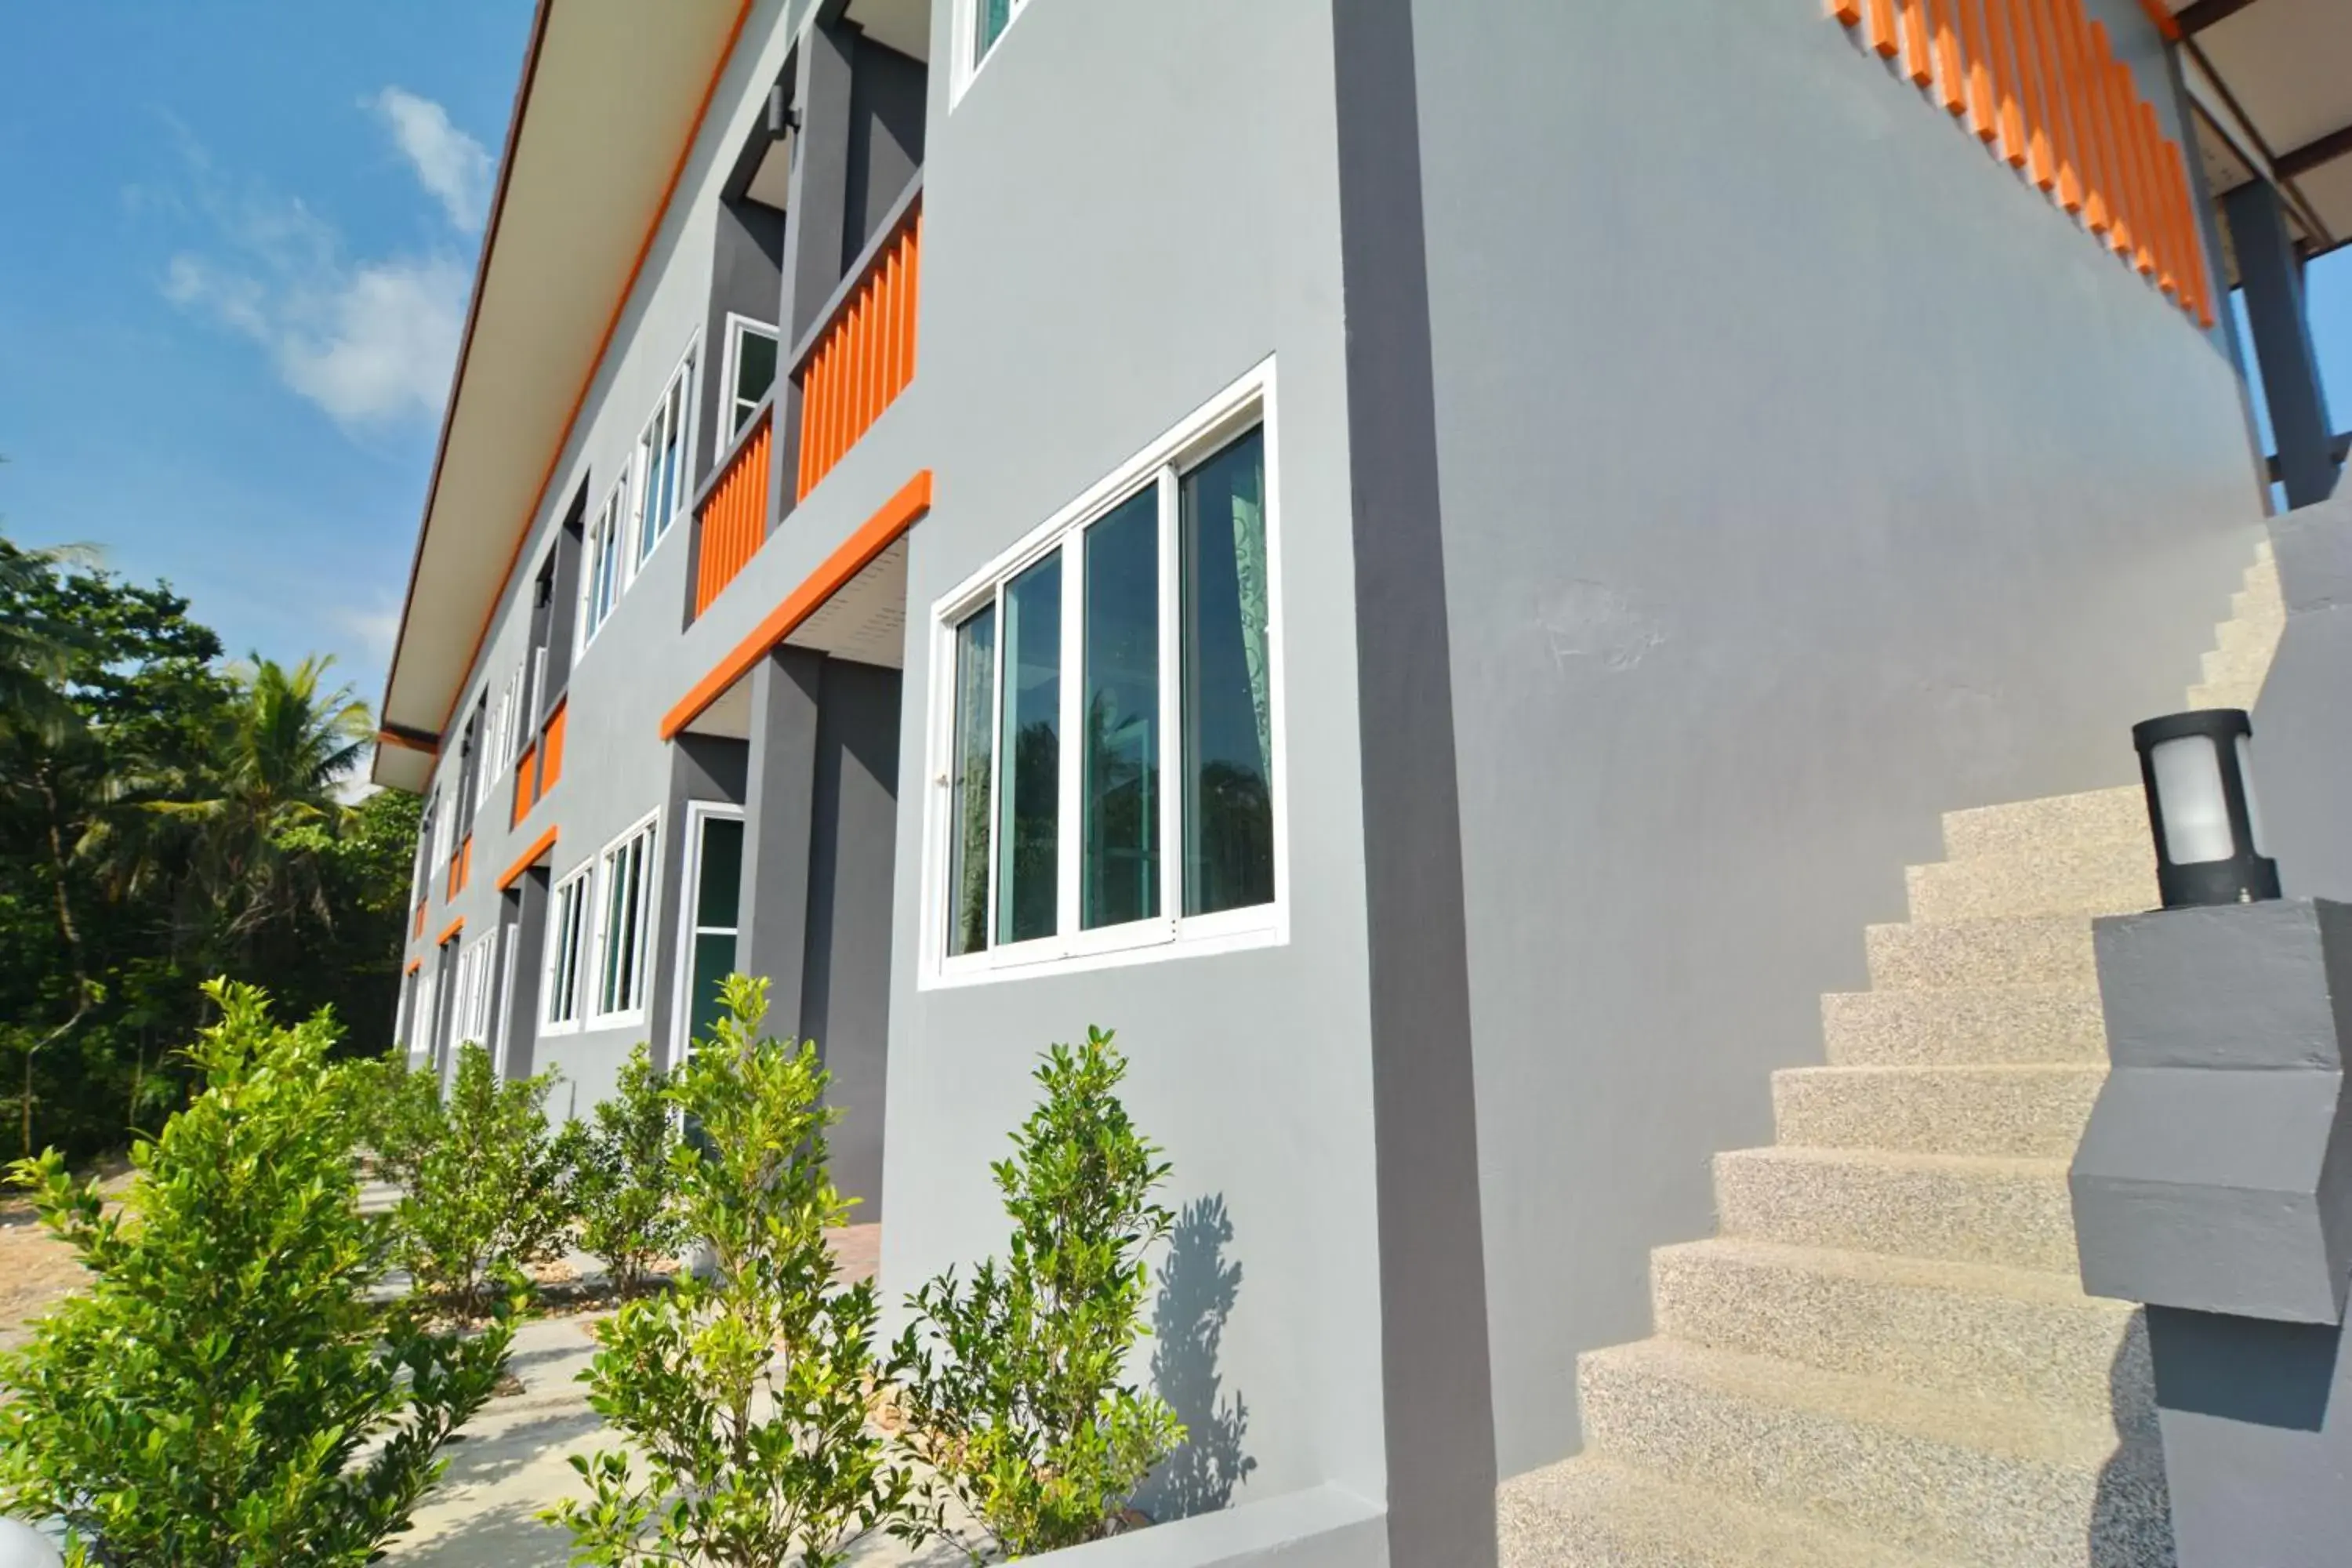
711,906
1107,714
624,874
567,938
471,1017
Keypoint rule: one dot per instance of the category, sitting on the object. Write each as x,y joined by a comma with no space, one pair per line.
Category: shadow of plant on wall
1198,1286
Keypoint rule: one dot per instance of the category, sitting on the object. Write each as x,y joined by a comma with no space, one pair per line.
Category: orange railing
2041,79
865,353
733,515
540,766
461,866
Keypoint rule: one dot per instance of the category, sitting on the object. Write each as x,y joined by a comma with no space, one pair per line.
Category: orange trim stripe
1982,117
2090,145
414,965
1881,28
856,553
550,748
605,342
2000,24
525,788
417,930
527,860
1950,79
455,927
1918,54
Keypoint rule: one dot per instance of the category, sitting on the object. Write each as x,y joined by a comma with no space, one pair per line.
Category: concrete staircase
1886,1358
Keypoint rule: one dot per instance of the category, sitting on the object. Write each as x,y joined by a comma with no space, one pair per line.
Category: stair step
2023,950
2029,1111
1588,1513
2094,816
2011,1213
2009,1333
1964,1025
1988,1481
2104,878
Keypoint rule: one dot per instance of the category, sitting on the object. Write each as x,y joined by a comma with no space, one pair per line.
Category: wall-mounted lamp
2198,775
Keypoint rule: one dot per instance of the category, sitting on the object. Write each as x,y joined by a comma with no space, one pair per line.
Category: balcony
540,766
861,354
730,517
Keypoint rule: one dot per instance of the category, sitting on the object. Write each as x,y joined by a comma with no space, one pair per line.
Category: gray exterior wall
1805,474
1127,211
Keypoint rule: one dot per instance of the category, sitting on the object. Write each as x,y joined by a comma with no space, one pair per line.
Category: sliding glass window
1139,636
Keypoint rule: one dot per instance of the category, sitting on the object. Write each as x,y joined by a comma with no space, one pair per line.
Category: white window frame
689,892
551,994
738,326
969,57
609,525
502,1005
420,1028
472,1020
1249,403
648,904
680,381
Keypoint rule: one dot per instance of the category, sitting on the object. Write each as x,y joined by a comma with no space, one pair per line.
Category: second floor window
988,20
661,462
1108,717
602,583
750,369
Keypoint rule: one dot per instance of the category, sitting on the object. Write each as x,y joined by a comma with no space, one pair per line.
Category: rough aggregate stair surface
1884,1357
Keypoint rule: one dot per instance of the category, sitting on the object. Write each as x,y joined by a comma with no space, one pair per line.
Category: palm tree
287,745
35,652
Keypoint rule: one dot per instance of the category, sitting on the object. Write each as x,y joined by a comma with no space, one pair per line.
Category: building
1526,516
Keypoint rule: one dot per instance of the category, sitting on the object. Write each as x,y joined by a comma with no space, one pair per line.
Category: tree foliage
165,816
228,1390
1016,1388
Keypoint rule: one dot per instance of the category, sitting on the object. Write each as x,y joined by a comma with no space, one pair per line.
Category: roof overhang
612,94
2273,83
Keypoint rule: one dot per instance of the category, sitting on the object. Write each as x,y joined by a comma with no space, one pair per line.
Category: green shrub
620,1169
1016,1388
211,1395
484,1192
745,1394
400,1115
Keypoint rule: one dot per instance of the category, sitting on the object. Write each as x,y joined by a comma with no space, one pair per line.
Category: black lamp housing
2200,803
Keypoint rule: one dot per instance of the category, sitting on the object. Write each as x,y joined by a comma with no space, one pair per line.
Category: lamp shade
2197,769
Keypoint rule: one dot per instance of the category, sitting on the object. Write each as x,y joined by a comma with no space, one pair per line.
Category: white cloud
370,341
451,165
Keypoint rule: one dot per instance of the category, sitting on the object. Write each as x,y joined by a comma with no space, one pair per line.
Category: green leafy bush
620,1166
746,1393
485,1194
1016,1388
227,1391
399,1116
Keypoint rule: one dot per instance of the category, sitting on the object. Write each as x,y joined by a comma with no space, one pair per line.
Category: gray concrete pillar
779,800
2272,275
815,211
524,937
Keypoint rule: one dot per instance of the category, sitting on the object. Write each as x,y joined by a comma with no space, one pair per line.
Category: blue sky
232,279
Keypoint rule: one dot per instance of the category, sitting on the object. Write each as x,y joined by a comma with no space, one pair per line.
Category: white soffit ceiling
611,97
2288,64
